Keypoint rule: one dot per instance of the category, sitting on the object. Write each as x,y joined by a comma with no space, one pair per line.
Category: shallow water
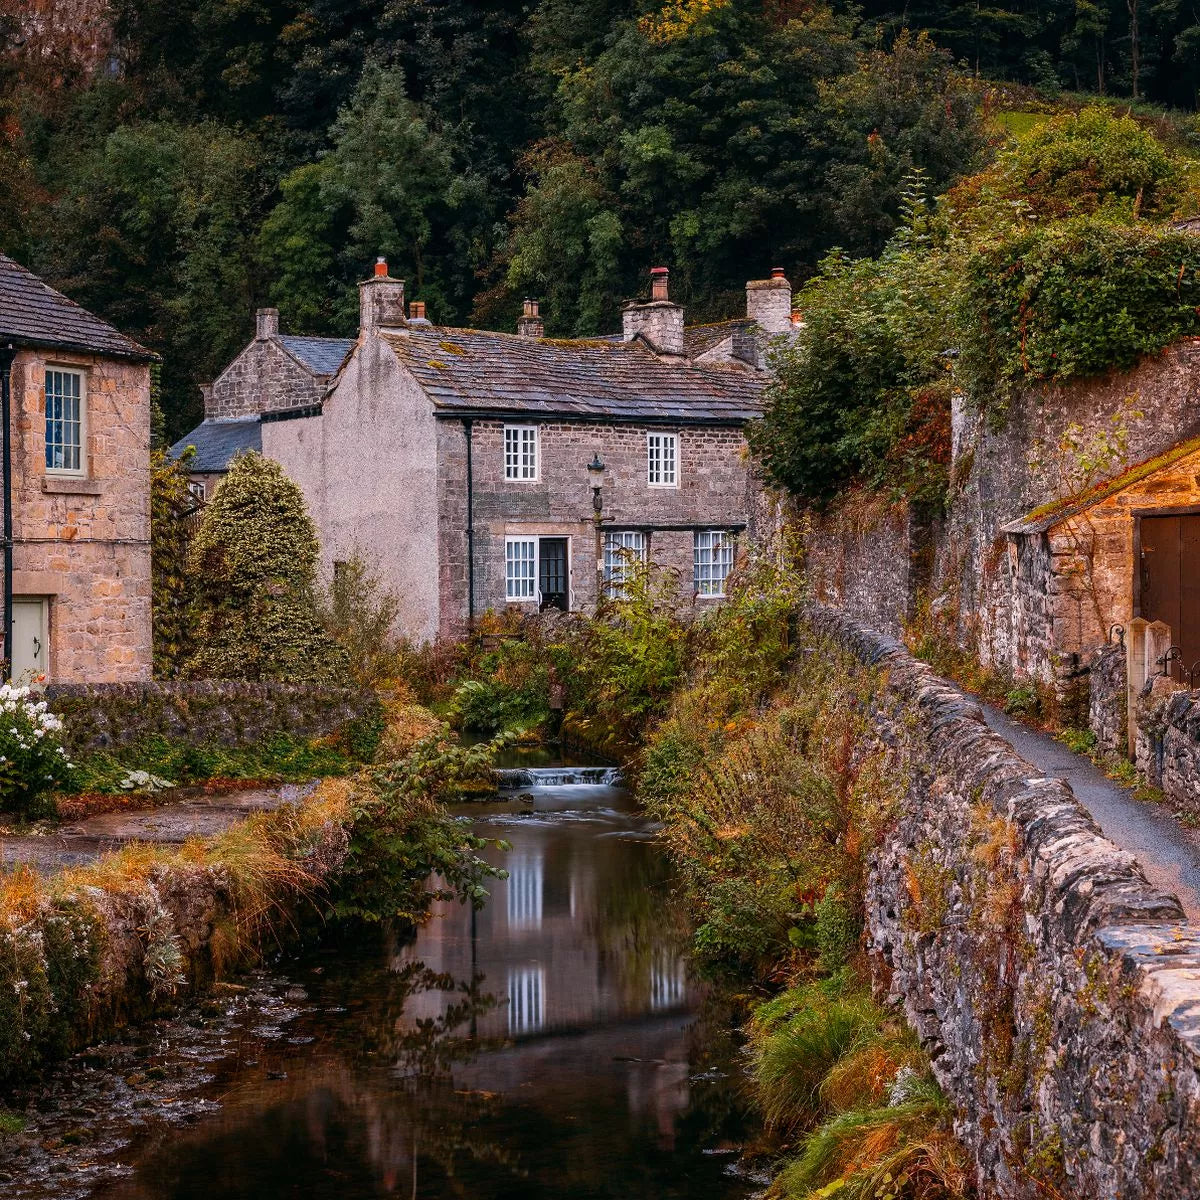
552,1044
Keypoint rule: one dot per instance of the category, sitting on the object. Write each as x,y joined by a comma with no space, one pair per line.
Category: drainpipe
7,354
470,530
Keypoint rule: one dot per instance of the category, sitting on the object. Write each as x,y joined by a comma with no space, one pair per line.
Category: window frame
81,471
728,540
510,578
665,439
537,539
614,584
521,432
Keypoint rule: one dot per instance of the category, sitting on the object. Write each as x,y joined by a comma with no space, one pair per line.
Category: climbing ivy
171,507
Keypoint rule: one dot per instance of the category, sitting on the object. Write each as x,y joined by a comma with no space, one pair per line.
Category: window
713,561
662,459
196,488
620,549
520,568
64,421
521,452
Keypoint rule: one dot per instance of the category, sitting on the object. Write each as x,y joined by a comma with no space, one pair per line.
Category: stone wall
1053,986
1108,700
869,557
204,713
263,378
1167,746
82,541
716,490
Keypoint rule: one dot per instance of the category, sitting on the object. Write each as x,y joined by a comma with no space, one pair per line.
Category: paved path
1169,853
198,816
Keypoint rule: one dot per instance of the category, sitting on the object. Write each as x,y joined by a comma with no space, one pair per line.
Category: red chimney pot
380,267
776,272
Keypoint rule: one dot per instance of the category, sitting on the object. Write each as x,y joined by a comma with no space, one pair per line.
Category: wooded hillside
173,166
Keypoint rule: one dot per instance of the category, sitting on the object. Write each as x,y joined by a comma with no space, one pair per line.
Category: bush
33,757
254,558
514,692
361,616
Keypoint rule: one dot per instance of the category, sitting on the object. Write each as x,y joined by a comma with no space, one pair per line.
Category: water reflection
546,1046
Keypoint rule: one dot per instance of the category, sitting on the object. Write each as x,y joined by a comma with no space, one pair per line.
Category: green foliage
403,838
1074,299
171,505
280,758
1078,741
361,616
254,559
863,394
513,693
33,757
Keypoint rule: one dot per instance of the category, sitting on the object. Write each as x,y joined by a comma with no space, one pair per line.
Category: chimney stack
416,310
769,303
206,396
266,323
380,300
529,323
659,321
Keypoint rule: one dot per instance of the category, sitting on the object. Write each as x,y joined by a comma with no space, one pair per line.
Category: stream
552,1044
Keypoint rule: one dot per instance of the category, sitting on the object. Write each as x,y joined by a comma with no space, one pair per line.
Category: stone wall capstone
222,712
1054,987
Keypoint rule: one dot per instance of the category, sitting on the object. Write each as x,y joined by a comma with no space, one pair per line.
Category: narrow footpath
1168,852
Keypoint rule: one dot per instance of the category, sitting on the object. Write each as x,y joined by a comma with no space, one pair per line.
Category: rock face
1057,991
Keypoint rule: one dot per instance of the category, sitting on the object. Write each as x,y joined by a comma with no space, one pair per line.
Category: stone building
81,487
457,461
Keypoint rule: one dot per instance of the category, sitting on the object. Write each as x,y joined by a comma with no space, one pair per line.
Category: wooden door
29,639
553,575
1170,582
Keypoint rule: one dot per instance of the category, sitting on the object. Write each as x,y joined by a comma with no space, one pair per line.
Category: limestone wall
82,540
1108,701
1056,990
206,712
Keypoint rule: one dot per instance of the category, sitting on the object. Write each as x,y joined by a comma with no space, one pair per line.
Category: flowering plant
33,758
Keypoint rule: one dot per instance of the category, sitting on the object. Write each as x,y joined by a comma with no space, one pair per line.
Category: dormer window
521,453
65,407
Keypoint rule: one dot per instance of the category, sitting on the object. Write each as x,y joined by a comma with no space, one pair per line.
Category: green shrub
254,558
33,756
361,616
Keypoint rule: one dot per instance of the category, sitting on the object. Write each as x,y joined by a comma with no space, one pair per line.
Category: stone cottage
480,470
80,443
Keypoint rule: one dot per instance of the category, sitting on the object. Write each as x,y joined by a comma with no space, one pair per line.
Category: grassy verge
772,812
89,949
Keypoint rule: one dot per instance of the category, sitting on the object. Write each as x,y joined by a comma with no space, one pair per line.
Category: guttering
7,354
470,528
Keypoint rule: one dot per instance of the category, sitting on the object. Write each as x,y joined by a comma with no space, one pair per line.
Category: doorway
30,636
554,574
1170,580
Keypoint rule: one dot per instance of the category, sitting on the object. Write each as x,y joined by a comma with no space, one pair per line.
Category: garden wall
205,713
1057,991
1168,742
1108,699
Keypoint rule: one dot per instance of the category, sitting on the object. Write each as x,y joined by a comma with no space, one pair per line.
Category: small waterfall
538,777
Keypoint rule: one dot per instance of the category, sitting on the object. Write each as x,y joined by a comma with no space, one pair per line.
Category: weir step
535,777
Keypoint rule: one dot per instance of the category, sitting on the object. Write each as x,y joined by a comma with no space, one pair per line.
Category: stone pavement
1168,852
199,815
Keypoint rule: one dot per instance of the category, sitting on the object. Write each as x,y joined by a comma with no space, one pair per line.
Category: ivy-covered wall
204,713
1052,984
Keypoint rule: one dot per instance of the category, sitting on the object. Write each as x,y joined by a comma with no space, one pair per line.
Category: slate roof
321,355
700,339
217,440
33,314
467,370
1042,519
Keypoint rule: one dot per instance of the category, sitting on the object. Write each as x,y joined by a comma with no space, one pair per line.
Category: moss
452,348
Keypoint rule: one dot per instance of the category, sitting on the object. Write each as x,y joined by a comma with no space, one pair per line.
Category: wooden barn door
1170,583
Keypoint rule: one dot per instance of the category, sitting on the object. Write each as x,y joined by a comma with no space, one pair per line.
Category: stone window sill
71,485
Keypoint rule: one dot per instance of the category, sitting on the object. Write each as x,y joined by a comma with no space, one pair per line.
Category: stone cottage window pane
520,452
620,547
661,458
64,421
713,561
520,569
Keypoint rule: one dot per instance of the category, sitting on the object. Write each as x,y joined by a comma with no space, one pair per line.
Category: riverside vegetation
746,753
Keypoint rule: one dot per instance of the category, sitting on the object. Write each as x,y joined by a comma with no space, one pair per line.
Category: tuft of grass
11,1122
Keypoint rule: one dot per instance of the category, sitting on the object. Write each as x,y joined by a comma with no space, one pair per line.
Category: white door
29,638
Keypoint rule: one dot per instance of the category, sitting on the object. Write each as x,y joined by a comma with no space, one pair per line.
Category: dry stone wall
1057,991
203,713
1108,702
